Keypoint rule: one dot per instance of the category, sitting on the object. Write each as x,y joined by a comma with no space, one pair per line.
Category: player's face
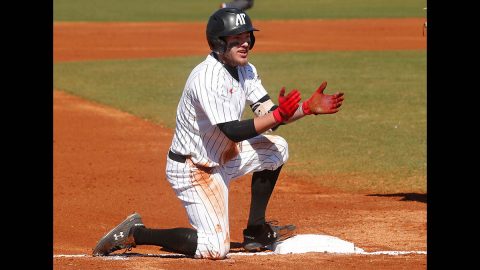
237,49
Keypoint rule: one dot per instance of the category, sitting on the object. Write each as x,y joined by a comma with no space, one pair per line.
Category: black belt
176,157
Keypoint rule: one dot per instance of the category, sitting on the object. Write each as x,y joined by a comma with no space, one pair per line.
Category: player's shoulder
204,77
209,63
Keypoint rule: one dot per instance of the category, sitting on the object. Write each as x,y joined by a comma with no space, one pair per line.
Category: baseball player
240,4
212,145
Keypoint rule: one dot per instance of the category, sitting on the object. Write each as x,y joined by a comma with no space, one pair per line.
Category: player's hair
228,22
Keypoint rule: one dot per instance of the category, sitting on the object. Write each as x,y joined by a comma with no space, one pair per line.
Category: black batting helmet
227,22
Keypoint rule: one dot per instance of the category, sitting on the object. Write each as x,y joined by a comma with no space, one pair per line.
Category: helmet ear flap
222,45
217,44
252,40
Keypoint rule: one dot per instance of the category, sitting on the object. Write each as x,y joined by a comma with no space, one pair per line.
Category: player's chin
242,59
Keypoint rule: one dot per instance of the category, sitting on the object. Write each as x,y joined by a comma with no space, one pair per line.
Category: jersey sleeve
255,90
214,98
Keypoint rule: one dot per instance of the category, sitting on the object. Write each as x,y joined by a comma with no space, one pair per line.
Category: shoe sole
253,246
101,242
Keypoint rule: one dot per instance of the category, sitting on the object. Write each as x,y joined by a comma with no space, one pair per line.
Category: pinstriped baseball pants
204,191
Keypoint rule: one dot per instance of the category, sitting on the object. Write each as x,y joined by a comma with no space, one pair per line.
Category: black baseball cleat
262,237
119,237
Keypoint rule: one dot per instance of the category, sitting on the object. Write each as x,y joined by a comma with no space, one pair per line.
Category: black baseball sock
263,183
182,240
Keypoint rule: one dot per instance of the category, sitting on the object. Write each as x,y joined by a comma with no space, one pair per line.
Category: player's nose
245,43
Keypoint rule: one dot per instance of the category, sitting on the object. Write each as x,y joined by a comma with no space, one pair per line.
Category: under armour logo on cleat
118,236
269,235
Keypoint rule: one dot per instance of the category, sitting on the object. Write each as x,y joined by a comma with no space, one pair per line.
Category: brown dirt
108,164
90,41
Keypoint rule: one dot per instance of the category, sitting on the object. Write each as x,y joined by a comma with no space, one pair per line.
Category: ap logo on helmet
240,20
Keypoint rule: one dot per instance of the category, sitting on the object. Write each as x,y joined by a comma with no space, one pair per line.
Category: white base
303,243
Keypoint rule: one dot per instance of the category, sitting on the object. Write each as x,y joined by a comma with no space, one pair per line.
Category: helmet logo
240,20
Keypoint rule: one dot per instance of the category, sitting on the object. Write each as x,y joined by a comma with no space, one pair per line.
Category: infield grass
377,142
199,10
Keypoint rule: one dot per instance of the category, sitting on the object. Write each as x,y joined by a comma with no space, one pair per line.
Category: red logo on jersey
231,90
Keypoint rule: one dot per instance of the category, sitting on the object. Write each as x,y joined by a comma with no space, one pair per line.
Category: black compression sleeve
238,131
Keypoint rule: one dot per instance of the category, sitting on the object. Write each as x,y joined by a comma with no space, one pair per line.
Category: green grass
147,88
376,142
199,10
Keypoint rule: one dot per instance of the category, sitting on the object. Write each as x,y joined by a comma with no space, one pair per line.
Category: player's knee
217,247
280,153
282,146
219,254
216,252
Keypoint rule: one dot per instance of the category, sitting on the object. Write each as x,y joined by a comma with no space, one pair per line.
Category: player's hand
287,105
319,103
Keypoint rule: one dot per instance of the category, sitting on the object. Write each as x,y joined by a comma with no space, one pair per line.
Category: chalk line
174,255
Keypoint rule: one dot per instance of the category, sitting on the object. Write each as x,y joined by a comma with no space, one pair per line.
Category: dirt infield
90,41
108,164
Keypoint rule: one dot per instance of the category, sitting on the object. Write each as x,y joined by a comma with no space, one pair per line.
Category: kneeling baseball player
212,145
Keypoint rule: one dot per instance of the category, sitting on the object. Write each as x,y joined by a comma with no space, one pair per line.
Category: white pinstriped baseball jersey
212,96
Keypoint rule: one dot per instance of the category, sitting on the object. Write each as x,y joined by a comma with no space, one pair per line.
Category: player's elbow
238,131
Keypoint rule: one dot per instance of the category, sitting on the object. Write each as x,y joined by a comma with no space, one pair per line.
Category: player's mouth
243,53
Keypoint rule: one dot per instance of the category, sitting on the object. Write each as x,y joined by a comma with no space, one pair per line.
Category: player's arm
318,103
246,129
238,131
265,105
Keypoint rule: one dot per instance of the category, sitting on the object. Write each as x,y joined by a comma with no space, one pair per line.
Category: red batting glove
287,105
320,103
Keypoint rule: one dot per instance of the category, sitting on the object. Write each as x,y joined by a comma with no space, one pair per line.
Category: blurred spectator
240,4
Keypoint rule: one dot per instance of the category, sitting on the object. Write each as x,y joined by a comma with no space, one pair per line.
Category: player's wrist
306,108
277,116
